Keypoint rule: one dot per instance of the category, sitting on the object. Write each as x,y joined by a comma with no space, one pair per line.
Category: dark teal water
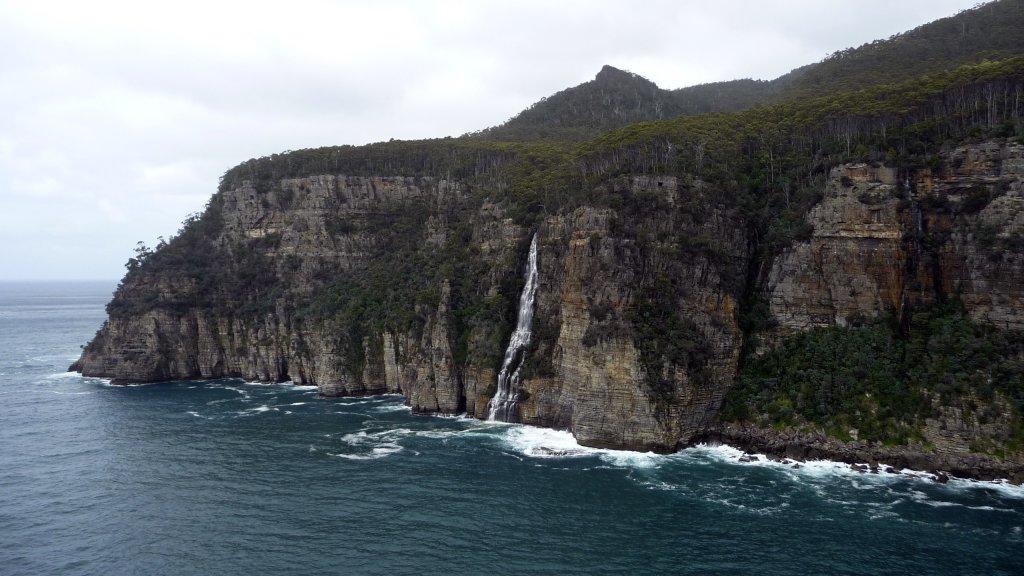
231,478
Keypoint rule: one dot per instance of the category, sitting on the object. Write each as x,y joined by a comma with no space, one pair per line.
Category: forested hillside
617,98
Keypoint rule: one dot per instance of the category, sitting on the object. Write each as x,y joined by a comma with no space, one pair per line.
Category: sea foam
537,442
821,469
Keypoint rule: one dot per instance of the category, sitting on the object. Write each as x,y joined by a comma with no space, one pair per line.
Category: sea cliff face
585,369
883,246
880,243
637,332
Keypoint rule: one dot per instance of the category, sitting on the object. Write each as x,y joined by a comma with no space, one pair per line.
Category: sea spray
504,402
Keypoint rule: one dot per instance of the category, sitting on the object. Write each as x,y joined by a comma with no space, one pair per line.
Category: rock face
599,384
302,216
880,243
853,263
981,256
585,370
636,330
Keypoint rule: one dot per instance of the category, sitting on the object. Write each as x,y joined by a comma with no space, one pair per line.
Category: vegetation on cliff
766,165
769,162
882,382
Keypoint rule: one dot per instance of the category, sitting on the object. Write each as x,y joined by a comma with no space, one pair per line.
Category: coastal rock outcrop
881,243
637,329
587,368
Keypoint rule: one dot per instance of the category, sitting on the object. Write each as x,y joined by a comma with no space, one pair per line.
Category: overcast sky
119,117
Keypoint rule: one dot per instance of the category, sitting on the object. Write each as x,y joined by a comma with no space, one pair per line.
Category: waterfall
504,402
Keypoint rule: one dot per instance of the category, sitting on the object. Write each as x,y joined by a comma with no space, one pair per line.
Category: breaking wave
823,469
538,442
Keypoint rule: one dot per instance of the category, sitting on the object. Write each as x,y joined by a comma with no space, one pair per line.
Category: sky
120,117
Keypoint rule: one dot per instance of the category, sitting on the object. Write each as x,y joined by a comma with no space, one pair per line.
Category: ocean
232,478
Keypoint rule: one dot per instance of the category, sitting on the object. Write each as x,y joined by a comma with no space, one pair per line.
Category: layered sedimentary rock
880,243
636,329
852,266
982,256
302,217
593,281
585,370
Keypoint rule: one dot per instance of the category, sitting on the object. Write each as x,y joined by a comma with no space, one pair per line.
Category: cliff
847,268
585,371
936,389
880,244
593,368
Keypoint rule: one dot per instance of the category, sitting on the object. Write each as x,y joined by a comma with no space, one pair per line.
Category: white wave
238,391
393,408
819,468
720,452
806,468
63,375
391,435
538,442
370,398
547,443
381,444
466,418
831,468
381,451
363,436
259,410
1002,487
74,374
286,384
350,402
109,383
441,434
922,498
659,485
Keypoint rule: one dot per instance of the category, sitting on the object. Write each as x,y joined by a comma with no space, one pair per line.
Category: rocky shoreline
796,446
792,447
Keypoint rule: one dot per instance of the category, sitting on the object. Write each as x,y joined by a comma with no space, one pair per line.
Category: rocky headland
838,275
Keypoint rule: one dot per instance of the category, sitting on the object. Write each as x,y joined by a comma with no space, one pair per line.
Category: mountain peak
610,74
609,71
617,97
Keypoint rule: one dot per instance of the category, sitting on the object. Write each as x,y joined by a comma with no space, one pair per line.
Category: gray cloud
119,117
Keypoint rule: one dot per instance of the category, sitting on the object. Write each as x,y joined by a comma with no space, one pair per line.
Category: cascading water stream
504,402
